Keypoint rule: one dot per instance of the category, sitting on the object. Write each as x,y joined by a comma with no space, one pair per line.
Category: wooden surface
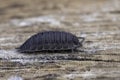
96,20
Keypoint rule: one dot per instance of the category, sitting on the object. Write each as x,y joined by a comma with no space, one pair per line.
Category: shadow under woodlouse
49,76
97,60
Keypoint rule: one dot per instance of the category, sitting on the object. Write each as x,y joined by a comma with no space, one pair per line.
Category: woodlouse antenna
82,39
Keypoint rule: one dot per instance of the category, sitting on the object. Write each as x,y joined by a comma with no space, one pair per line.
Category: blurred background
96,20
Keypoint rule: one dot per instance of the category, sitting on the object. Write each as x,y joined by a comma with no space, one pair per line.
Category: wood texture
96,20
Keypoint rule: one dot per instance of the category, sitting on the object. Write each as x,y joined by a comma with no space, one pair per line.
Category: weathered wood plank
96,20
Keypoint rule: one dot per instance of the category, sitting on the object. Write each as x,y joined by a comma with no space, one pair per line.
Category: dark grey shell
51,41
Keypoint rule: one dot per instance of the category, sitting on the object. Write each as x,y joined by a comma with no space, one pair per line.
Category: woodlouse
51,41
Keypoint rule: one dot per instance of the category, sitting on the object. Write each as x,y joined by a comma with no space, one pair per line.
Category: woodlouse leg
43,47
72,50
81,50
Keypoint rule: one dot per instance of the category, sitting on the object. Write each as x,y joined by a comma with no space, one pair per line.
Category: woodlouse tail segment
81,39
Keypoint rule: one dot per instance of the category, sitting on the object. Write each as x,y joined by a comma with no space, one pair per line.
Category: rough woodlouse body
51,41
